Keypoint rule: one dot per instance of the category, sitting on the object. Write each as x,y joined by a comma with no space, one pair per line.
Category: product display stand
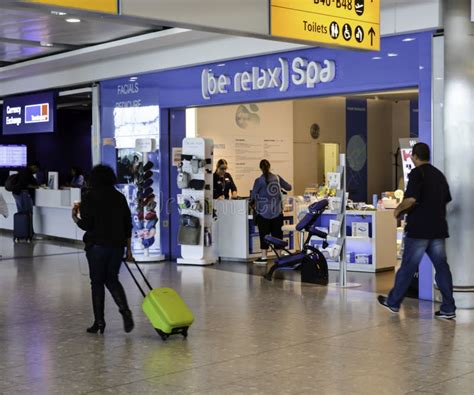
343,283
145,146
195,179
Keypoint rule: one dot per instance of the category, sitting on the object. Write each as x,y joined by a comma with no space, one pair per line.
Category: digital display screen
13,156
29,114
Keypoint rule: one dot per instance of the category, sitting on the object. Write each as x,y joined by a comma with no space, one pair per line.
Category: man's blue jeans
412,255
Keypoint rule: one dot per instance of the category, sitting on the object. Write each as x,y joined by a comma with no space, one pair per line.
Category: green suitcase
165,309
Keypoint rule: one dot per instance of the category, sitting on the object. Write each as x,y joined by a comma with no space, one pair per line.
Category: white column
459,144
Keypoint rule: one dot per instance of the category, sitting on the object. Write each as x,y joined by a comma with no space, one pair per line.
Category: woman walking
105,217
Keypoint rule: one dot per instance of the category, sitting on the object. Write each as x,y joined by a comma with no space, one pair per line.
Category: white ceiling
25,30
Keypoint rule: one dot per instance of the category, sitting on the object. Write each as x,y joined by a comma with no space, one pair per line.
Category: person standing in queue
425,202
105,217
268,206
24,190
224,186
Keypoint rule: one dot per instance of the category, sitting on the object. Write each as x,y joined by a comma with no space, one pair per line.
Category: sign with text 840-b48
346,23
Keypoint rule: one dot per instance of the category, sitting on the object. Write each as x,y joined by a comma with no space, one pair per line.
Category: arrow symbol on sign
372,34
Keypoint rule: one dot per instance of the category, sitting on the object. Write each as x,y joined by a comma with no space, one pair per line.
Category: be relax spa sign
299,73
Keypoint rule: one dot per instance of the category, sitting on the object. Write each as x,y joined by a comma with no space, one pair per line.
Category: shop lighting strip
75,91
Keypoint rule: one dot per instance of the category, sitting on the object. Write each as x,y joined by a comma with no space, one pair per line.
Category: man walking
425,203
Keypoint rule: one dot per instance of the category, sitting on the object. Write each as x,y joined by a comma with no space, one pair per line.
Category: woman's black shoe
128,323
97,327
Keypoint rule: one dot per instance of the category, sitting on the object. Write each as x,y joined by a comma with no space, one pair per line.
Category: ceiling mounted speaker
315,131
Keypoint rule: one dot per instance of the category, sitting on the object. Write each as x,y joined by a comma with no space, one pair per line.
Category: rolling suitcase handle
135,279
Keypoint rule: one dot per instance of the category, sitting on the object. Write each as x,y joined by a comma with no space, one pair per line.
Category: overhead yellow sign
106,6
347,23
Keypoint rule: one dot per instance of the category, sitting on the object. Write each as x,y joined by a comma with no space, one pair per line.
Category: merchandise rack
381,244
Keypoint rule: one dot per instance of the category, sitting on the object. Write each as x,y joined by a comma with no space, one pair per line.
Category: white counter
232,229
237,234
51,214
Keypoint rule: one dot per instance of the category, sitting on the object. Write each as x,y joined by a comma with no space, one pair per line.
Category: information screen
29,114
13,156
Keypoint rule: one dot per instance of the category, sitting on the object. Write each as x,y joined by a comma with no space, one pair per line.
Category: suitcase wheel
185,333
164,336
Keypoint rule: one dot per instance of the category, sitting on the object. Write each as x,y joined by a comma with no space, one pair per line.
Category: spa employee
223,182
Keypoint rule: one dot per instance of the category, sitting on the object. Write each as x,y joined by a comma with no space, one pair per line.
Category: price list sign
346,23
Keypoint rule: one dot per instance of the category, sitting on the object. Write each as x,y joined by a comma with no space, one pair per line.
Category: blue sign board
356,149
29,114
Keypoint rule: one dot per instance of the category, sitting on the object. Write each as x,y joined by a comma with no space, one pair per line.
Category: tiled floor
250,336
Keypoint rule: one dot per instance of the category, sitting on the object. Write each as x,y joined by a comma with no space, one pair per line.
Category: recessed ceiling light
59,13
45,44
221,65
133,78
376,58
392,55
408,39
73,20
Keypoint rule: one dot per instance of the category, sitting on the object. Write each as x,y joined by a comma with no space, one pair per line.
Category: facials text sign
106,6
348,23
29,114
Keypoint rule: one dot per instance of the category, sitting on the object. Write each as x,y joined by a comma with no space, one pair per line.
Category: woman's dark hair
221,162
265,168
102,176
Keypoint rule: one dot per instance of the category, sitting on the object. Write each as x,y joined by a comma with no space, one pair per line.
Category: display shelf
382,246
196,165
356,267
362,239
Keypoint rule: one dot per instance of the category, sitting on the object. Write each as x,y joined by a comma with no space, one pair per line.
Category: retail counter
237,235
51,214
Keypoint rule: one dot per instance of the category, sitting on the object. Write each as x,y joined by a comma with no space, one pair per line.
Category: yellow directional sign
105,6
347,23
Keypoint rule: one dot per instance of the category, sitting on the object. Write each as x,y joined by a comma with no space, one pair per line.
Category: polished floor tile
249,337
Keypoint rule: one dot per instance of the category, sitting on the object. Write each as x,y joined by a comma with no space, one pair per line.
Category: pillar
459,145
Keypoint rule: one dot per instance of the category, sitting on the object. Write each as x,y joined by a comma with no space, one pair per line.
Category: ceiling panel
18,52
23,24
23,29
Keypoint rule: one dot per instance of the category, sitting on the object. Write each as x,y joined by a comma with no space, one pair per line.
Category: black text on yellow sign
348,23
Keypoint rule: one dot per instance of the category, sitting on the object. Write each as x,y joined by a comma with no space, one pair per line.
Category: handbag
189,230
183,179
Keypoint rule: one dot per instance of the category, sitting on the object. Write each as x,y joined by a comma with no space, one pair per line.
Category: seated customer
77,178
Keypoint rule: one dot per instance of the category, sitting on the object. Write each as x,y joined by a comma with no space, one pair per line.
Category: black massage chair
311,261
